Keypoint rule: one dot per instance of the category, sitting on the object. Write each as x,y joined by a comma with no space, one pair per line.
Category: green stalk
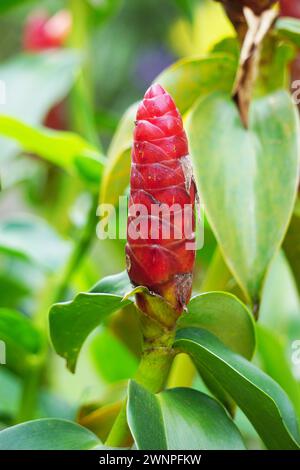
152,374
82,110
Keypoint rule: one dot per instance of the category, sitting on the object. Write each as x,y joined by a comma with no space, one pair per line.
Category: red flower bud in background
44,32
290,8
41,33
161,176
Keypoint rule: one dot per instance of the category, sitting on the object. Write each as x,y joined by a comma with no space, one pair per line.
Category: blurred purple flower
150,63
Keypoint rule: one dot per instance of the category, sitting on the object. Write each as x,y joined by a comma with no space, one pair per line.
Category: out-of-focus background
42,208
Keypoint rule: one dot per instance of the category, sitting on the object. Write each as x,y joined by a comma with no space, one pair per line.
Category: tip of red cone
154,90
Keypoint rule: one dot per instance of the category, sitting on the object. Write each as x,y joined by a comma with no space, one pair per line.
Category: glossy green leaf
192,78
291,244
122,363
217,312
248,199
117,172
23,342
48,434
72,322
272,352
289,28
26,238
44,79
64,149
179,419
262,400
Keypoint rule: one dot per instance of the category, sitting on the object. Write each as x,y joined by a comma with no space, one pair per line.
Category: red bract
44,32
290,8
161,179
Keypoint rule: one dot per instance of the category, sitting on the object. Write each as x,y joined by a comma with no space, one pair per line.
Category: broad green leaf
111,358
280,304
289,28
43,79
248,199
23,342
64,149
118,284
272,352
48,434
27,238
192,78
262,400
116,175
179,419
72,322
217,312
291,244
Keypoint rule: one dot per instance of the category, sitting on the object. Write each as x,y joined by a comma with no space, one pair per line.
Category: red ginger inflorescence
161,177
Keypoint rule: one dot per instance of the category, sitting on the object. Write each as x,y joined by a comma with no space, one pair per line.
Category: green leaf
217,312
122,363
23,342
26,238
10,394
44,79
291,244
289,28
272,352
64,149
248,199
192,78
179,419
6,5
72,322
262,400
117,172
48,434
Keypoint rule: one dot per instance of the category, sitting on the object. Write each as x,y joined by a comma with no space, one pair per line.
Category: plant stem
80,249
82,111
152,374
30,392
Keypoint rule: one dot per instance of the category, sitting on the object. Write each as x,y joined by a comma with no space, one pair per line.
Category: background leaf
47,76
226,317
72,322
26,237
272,352
178,419
65,149
192,78
48,434
248,199
22,340
289,28
261,399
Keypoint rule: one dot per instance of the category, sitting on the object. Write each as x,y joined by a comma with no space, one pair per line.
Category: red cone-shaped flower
160,251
